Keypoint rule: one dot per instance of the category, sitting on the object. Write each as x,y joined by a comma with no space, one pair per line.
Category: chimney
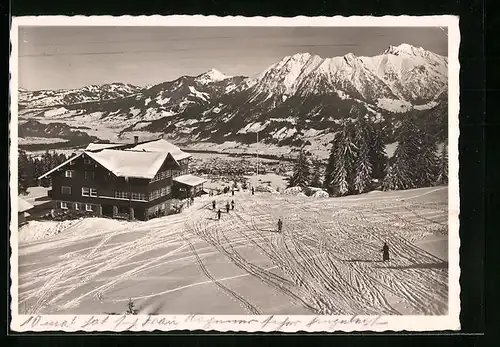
161,136
136,139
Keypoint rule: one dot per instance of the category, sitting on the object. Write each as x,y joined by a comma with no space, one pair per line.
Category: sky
73,57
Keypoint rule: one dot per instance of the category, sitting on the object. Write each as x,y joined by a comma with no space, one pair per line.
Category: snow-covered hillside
54,98
301,98
326,261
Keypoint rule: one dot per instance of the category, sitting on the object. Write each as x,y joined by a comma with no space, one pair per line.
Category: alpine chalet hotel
136,181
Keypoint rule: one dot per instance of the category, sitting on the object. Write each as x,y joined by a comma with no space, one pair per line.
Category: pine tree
316,175
47,161
24,172
37,168
427,168
363,176
330,168
61,158
378,157
345,155
301,173
443,166
362,180
390,181
405,157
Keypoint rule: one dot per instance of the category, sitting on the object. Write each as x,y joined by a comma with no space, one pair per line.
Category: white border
250,323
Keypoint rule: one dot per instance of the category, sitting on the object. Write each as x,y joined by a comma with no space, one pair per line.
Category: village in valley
306,215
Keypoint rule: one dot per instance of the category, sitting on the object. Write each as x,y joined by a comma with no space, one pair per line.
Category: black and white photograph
234,174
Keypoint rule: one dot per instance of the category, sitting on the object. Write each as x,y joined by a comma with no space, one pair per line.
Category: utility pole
257,152
129,199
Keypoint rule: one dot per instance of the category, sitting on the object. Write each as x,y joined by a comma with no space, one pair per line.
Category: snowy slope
327,261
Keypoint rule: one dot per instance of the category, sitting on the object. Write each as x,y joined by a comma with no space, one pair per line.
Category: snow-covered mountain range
299,100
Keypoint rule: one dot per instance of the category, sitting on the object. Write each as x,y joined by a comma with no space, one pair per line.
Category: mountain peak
211,75
404,49
301,56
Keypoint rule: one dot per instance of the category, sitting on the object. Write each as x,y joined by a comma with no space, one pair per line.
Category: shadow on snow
441,265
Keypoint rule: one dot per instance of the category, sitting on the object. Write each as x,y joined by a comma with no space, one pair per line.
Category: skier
213,205
227,207
253,191
232,192
218,214
385,251
232,205
280,225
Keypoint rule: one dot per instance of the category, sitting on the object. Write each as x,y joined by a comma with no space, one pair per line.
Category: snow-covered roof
61,165
23,205
138,164
99,146
162,146
190,180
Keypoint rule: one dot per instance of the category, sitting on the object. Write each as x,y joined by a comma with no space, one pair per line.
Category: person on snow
232,192
280,225
232,205
213,205
218,214
385,251
227,207
253,191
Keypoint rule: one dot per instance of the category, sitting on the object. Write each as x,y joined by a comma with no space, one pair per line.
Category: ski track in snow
327,260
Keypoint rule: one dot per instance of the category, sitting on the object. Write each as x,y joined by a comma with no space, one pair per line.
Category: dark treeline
358,162
30,168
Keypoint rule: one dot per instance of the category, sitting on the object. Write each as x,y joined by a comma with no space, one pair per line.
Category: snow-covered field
67,152
327,260
39,140
276,181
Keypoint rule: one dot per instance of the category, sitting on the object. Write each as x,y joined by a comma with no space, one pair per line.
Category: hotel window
155,194
87,161
65,190
163,191
89,175
138,196
88,207
168,189
73,162
69,173
64,205
89,192
77,206
121,195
